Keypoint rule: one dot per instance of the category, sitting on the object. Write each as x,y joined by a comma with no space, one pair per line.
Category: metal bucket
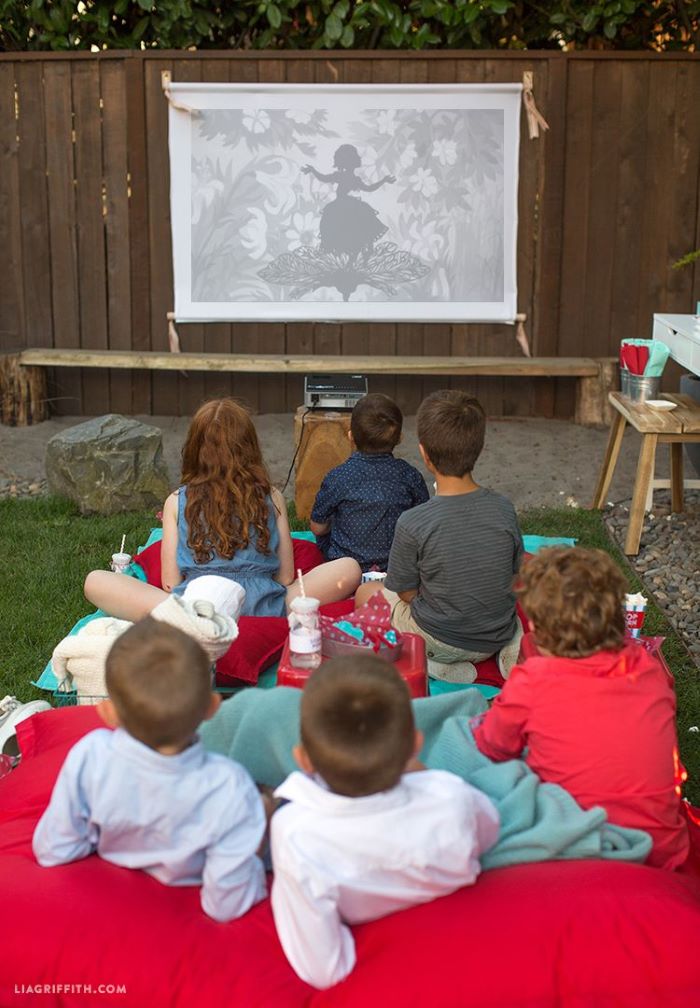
637,388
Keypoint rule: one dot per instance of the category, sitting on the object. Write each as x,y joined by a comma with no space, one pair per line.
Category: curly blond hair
574,598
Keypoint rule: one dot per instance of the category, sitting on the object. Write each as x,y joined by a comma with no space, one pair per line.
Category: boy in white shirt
147,795
361,837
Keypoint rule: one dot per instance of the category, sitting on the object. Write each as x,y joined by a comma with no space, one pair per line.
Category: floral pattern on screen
381,205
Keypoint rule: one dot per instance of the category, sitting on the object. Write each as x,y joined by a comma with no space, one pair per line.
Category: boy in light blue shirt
147,795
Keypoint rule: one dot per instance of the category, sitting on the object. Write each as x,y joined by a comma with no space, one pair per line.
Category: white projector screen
344,203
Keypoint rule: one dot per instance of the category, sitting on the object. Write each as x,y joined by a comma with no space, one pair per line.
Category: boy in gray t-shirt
453,559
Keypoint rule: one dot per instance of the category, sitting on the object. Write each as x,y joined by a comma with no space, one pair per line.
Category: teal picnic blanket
539,822
47,680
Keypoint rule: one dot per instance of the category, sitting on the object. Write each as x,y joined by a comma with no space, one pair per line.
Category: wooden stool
322,440
674,427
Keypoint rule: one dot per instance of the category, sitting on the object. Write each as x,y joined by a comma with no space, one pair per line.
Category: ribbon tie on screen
174,339
535,120
521,335
166,80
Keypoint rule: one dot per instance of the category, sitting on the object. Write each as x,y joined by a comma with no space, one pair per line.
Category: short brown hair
575,598
375,424
159,680
451,426
357,724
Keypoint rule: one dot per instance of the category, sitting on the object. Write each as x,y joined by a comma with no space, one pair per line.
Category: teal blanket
539,822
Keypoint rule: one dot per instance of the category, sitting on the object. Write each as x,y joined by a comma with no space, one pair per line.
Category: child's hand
270,803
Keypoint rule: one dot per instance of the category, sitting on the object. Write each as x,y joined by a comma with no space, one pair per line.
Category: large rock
107,465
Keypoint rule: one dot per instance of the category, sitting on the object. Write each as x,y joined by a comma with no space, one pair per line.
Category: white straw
121,548
301,583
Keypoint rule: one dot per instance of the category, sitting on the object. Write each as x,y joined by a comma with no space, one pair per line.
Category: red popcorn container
635,610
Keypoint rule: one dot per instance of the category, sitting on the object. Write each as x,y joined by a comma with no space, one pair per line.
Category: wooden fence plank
437,337
34,217
658,202
271,336
543,325
140,271
216,335
327,336
61,184
89,205
516,400
410,338
165,388
680,227
384,334
604,173
189,387
299,336
116,170
12,301
244,336
632,195
580,116
475,339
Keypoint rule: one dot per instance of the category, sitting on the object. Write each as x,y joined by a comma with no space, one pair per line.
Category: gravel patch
12,485
534,462
668,561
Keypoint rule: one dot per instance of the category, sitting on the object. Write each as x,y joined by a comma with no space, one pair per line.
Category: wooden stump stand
23,395
322,439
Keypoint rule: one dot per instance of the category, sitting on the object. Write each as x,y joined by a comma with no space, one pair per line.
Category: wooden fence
609,197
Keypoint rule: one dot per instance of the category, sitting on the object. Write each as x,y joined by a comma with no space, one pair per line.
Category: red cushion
148,560
260,638
572,935
259,644
307,555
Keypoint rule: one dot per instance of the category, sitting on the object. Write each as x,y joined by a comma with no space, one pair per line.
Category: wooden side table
673,427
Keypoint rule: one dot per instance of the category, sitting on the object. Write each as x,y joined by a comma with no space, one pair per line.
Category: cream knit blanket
79,660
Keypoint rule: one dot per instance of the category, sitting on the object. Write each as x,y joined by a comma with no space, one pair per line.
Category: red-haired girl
224,519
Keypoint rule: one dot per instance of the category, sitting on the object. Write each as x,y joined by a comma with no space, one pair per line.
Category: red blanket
551,935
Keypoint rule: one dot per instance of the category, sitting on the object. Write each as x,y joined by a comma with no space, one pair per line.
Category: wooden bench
21,374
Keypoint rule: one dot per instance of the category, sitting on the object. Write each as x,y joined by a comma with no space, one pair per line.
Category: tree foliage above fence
338,24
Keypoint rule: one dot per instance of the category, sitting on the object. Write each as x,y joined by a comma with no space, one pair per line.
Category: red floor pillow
555,935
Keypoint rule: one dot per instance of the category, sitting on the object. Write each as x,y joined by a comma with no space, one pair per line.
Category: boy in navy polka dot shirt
359,502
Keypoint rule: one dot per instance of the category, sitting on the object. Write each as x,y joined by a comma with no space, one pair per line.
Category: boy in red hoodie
595,713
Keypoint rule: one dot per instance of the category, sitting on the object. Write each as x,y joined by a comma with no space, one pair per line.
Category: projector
333,391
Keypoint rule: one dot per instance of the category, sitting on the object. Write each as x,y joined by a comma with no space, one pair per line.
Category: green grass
47,548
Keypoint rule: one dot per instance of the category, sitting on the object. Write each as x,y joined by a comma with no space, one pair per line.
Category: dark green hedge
359,24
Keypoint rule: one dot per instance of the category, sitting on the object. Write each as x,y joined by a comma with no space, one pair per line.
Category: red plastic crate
411,666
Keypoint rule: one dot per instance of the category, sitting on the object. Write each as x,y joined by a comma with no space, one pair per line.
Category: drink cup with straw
304,629
121,560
